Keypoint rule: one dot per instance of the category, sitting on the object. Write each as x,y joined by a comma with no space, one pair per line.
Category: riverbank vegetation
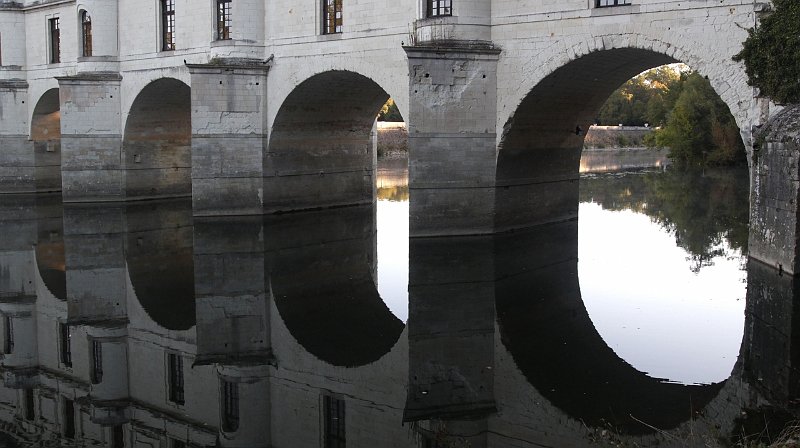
687,114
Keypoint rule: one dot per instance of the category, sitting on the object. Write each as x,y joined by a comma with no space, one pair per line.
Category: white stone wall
12,39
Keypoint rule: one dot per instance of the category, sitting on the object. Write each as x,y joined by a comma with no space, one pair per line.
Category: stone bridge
256,108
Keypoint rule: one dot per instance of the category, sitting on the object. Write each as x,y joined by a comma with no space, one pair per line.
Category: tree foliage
646,98
771,53
390,112
700,129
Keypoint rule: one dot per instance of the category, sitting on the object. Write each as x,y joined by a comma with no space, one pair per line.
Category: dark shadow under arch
46,138
546,328
321,149
323,281
540,148
157,142
159,253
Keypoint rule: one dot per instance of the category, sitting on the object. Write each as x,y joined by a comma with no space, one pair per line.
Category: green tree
390,112
700,129
771,53
644,98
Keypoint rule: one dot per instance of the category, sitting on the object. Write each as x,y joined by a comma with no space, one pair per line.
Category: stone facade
281,115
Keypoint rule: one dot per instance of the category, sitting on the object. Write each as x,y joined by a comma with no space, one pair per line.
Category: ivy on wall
771,53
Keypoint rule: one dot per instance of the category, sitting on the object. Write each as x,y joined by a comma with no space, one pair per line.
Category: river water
641,324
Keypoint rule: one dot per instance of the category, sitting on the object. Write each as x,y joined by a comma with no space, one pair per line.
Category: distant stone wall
601,137
392,139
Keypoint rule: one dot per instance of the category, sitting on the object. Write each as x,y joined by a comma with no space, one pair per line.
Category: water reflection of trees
702,209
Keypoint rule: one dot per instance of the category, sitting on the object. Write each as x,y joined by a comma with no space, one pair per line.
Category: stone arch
543,322
323,282
322,143
159,255
540,145
46,137
157,141
727,77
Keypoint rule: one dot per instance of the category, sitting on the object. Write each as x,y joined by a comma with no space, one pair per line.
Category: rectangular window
604,3
175,373
66,344
97,361
167,25
55,41
333,412
69,418
30,411
230,406
439,8
331,16
8,326
86,27
223,19
119,437
177,444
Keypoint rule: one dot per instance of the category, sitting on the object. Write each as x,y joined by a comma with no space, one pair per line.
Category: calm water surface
641,324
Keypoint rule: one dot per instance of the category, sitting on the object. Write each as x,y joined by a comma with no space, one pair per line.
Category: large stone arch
160,263
321,149
540,141
323,279
543,322
45,133
157,141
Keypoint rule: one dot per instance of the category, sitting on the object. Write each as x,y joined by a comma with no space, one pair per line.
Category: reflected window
119,437
230,406
86,33
177,444
8,331
223,19
167,25
97,361
55,41
30,410
65,337
69,418
331,16
333,414
604,3
175,373
439,8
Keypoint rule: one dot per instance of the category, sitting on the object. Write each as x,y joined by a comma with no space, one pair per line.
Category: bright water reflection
644,270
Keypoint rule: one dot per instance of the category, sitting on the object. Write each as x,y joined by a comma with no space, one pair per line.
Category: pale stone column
17,164
451,138
92,165
231,310
94,244
451,328
228,136
774,192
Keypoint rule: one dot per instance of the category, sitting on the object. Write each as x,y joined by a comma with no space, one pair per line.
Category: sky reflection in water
639,287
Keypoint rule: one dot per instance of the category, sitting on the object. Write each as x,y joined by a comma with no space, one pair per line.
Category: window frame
334,419
65,344
433,8
176,392
224,20
86,33
8,330
54,39
97,361
230,405
614,3
335,26
167,16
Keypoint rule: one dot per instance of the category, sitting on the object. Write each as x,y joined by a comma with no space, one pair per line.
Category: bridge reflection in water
135,325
